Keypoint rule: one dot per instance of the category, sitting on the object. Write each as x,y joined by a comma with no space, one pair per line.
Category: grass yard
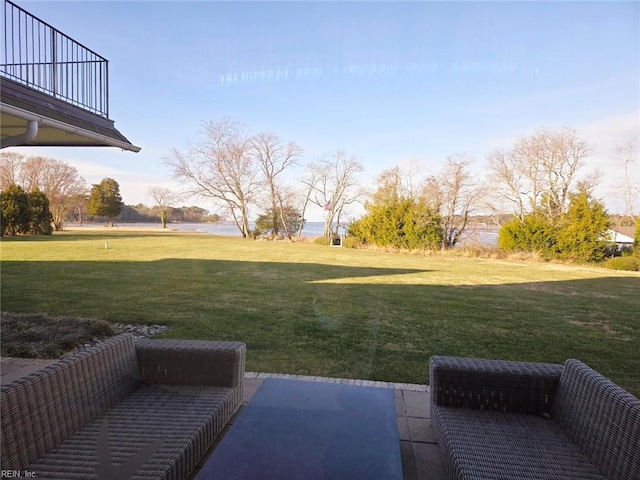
316,310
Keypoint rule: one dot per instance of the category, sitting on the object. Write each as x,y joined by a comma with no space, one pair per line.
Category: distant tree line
555,214
410,212
244,173
37,190
579,234
537,192
541,179
30,212
620,220
59,181
143,214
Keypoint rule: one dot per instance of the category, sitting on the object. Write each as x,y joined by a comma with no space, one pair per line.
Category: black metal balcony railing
39,56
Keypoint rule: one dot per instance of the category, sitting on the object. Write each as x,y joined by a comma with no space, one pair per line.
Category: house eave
60,124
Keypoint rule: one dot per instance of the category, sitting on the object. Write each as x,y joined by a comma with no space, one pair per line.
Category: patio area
420,456
419,451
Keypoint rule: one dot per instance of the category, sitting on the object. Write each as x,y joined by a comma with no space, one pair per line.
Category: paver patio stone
399,398
420,430
409,471
403,429
429,464
417,404
250,387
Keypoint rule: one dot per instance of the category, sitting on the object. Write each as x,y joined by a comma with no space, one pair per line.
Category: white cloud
605,135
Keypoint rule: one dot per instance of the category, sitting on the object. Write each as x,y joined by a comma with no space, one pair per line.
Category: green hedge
631,264
322,241
350,242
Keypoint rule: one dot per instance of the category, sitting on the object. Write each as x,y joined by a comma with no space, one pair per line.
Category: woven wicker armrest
494,384
191,362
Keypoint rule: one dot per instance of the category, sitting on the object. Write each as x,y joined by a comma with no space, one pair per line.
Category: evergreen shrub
350,242
631,264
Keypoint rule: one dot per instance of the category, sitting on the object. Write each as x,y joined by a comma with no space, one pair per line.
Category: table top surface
308,430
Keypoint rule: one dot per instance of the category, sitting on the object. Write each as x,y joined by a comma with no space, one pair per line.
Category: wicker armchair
504,420
120,410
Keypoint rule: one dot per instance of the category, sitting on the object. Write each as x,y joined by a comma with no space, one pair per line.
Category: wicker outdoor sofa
499,420
122,410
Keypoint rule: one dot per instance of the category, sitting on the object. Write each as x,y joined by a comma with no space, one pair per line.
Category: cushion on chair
42,409
183,420
601,418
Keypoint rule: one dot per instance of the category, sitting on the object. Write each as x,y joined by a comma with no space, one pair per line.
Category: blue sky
389,82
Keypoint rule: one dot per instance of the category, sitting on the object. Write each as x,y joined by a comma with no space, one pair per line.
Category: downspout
48,122
23,138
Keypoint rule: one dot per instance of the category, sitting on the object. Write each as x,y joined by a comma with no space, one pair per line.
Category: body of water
473,236
310,230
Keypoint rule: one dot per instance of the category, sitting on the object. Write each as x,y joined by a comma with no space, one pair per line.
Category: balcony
54,91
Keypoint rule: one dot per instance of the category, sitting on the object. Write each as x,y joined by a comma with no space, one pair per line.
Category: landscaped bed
39,335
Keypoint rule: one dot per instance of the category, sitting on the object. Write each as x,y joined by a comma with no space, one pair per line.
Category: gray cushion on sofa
498,420
148,410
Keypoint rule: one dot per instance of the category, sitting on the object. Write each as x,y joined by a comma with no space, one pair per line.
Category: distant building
622,237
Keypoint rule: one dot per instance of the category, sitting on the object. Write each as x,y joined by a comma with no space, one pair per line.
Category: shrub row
631,264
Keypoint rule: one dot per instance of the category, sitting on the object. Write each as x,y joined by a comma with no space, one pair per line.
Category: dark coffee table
308,430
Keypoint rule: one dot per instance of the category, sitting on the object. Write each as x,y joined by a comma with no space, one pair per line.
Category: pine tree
579,235
105,200
40,217
582,235
15,210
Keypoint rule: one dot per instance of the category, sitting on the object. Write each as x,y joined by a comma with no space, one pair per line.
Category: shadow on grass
106,235
346,321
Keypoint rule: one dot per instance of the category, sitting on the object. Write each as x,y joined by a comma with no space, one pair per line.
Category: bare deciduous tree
510,183
458,192
80,205
59,181
539,172
164,198
10,163
393,185
220,168
309,181
274,157
628,190
289,201
333,186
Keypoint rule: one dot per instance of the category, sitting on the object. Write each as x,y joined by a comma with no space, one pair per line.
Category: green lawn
317,310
